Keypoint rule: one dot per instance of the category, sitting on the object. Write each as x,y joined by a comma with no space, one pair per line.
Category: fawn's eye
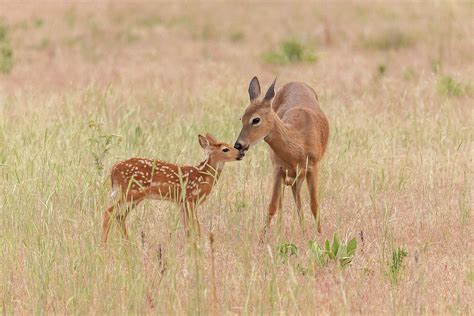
226,150
256,121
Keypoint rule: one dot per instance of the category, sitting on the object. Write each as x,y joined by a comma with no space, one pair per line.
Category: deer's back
295,94
159,180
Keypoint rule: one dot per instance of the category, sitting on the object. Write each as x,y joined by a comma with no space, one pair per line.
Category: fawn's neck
211,169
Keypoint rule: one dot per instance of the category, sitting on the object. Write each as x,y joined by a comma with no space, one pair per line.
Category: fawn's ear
203,141
212,140
254,89
270,92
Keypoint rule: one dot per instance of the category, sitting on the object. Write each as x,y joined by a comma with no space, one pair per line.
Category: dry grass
116,80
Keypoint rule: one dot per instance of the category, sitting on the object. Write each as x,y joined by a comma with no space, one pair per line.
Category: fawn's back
138,178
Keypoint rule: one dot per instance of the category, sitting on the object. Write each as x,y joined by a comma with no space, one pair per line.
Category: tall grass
53,195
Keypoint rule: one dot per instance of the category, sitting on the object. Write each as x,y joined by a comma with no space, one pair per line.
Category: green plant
6,51
381,69
436,65
6,57
396,263
37,22
3,32
275,58
341,253
100,143
388,40
291,51
318,254
409,74
286,250
236,36
150,21
450,87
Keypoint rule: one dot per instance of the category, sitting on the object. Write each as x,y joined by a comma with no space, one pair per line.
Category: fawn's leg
192,222
312,180
106,224
121,221
121,214
185,219
296,190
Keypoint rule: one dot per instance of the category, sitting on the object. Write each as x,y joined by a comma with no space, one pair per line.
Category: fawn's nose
238,146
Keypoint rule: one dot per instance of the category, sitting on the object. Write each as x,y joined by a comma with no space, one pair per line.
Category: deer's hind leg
119,211
124,209
312,180
296,190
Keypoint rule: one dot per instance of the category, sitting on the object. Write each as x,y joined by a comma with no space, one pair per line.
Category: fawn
137,179
297,131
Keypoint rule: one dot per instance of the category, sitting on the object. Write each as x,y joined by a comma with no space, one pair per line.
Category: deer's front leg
275,201
192,205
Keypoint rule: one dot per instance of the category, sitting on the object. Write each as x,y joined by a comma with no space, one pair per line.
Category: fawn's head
219,151
258,119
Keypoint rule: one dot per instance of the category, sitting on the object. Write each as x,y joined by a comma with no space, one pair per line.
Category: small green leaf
352,246
335,245
342,252
328,246
331,255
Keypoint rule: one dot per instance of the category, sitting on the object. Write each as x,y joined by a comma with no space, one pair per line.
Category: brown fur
137,179
297,131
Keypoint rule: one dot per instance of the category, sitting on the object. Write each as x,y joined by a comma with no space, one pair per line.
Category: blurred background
337,47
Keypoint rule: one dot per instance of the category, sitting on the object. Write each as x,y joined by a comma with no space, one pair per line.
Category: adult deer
297,131
137,179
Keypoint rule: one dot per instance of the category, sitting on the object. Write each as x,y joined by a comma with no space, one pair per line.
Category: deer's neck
283,141
211,169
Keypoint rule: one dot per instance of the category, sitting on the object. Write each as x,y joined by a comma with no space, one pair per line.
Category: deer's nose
238,146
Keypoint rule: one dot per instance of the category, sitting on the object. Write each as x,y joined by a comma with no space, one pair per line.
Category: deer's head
258,119
219,151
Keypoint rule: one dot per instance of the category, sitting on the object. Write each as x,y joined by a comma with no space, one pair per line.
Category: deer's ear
270,92
203,141
212,140
254,89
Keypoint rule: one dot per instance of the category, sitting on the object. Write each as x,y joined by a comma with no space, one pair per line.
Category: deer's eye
255,121
226,150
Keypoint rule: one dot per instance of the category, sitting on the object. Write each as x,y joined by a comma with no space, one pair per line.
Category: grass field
85,85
